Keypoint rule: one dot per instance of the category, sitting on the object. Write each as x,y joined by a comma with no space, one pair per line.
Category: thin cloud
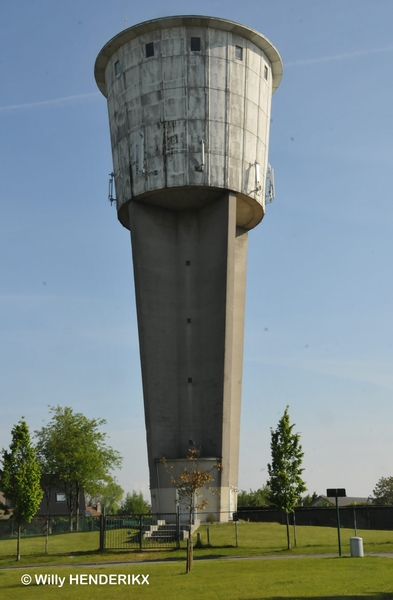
311,61
375,372
64,100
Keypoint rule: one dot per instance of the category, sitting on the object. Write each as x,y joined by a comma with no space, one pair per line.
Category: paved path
196,559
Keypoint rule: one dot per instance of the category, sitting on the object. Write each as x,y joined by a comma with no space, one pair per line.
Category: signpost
337,493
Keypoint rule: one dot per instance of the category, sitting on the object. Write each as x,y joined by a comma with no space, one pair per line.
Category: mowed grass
58,545
253,538
271,538
243,579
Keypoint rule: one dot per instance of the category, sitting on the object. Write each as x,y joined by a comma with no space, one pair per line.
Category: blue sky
319,331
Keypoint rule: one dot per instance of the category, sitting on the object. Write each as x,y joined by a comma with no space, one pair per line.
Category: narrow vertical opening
239,52
117,67
149,48
195,44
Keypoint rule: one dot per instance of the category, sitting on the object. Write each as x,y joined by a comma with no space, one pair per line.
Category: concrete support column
190,269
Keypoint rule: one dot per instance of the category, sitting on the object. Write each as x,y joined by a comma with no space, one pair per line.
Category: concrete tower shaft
189,110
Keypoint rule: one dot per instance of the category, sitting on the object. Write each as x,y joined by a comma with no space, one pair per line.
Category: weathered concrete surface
190,293
172,111
189,131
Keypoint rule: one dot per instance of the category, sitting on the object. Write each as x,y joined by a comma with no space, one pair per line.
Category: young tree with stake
286,484
188,484
20,478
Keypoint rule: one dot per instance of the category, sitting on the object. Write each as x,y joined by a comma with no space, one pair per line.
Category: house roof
92,512
342,501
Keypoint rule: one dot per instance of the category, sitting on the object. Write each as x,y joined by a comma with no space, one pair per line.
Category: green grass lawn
254,539
58,544
262,538
246,579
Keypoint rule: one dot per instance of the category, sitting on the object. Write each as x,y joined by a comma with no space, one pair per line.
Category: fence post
102,532
177,527
140,532
294,528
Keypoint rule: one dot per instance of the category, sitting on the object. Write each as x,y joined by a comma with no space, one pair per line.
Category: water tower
189,111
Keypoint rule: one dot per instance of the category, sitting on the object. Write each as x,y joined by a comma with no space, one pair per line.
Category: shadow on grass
375,596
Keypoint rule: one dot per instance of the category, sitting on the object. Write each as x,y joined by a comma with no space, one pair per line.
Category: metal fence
142,532
40,526
363,517
171,530
50,537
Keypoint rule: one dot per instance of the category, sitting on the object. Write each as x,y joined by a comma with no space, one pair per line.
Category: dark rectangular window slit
195,44
239,52
190,380
117,67
149,49
266,72
188,262
188,320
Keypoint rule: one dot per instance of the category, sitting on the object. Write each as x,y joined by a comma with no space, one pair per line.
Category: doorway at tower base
221,501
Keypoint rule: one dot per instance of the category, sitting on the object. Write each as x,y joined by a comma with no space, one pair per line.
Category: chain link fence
52,536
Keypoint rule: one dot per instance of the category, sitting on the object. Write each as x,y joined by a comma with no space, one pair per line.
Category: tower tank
189,102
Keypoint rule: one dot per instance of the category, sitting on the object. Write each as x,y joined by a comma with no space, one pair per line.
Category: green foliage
72,448
134,504
285,470
308,498
285,483
258,497
109,495
383,492
20,477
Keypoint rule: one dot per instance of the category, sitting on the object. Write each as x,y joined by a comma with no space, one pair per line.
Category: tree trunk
77,507
294,530
190,552
18,542
190,547
288,535
46,535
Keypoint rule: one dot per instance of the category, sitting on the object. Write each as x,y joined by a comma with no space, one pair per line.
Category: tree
306,500
109,495
383,492
188,485
73,448
49,482
20,478
135,504
254,498
285,470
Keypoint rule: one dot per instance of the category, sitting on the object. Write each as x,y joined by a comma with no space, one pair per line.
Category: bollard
356,544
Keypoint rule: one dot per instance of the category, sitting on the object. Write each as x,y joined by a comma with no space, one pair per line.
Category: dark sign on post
337,493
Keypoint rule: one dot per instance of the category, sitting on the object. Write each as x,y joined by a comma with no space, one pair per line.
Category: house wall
57,508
